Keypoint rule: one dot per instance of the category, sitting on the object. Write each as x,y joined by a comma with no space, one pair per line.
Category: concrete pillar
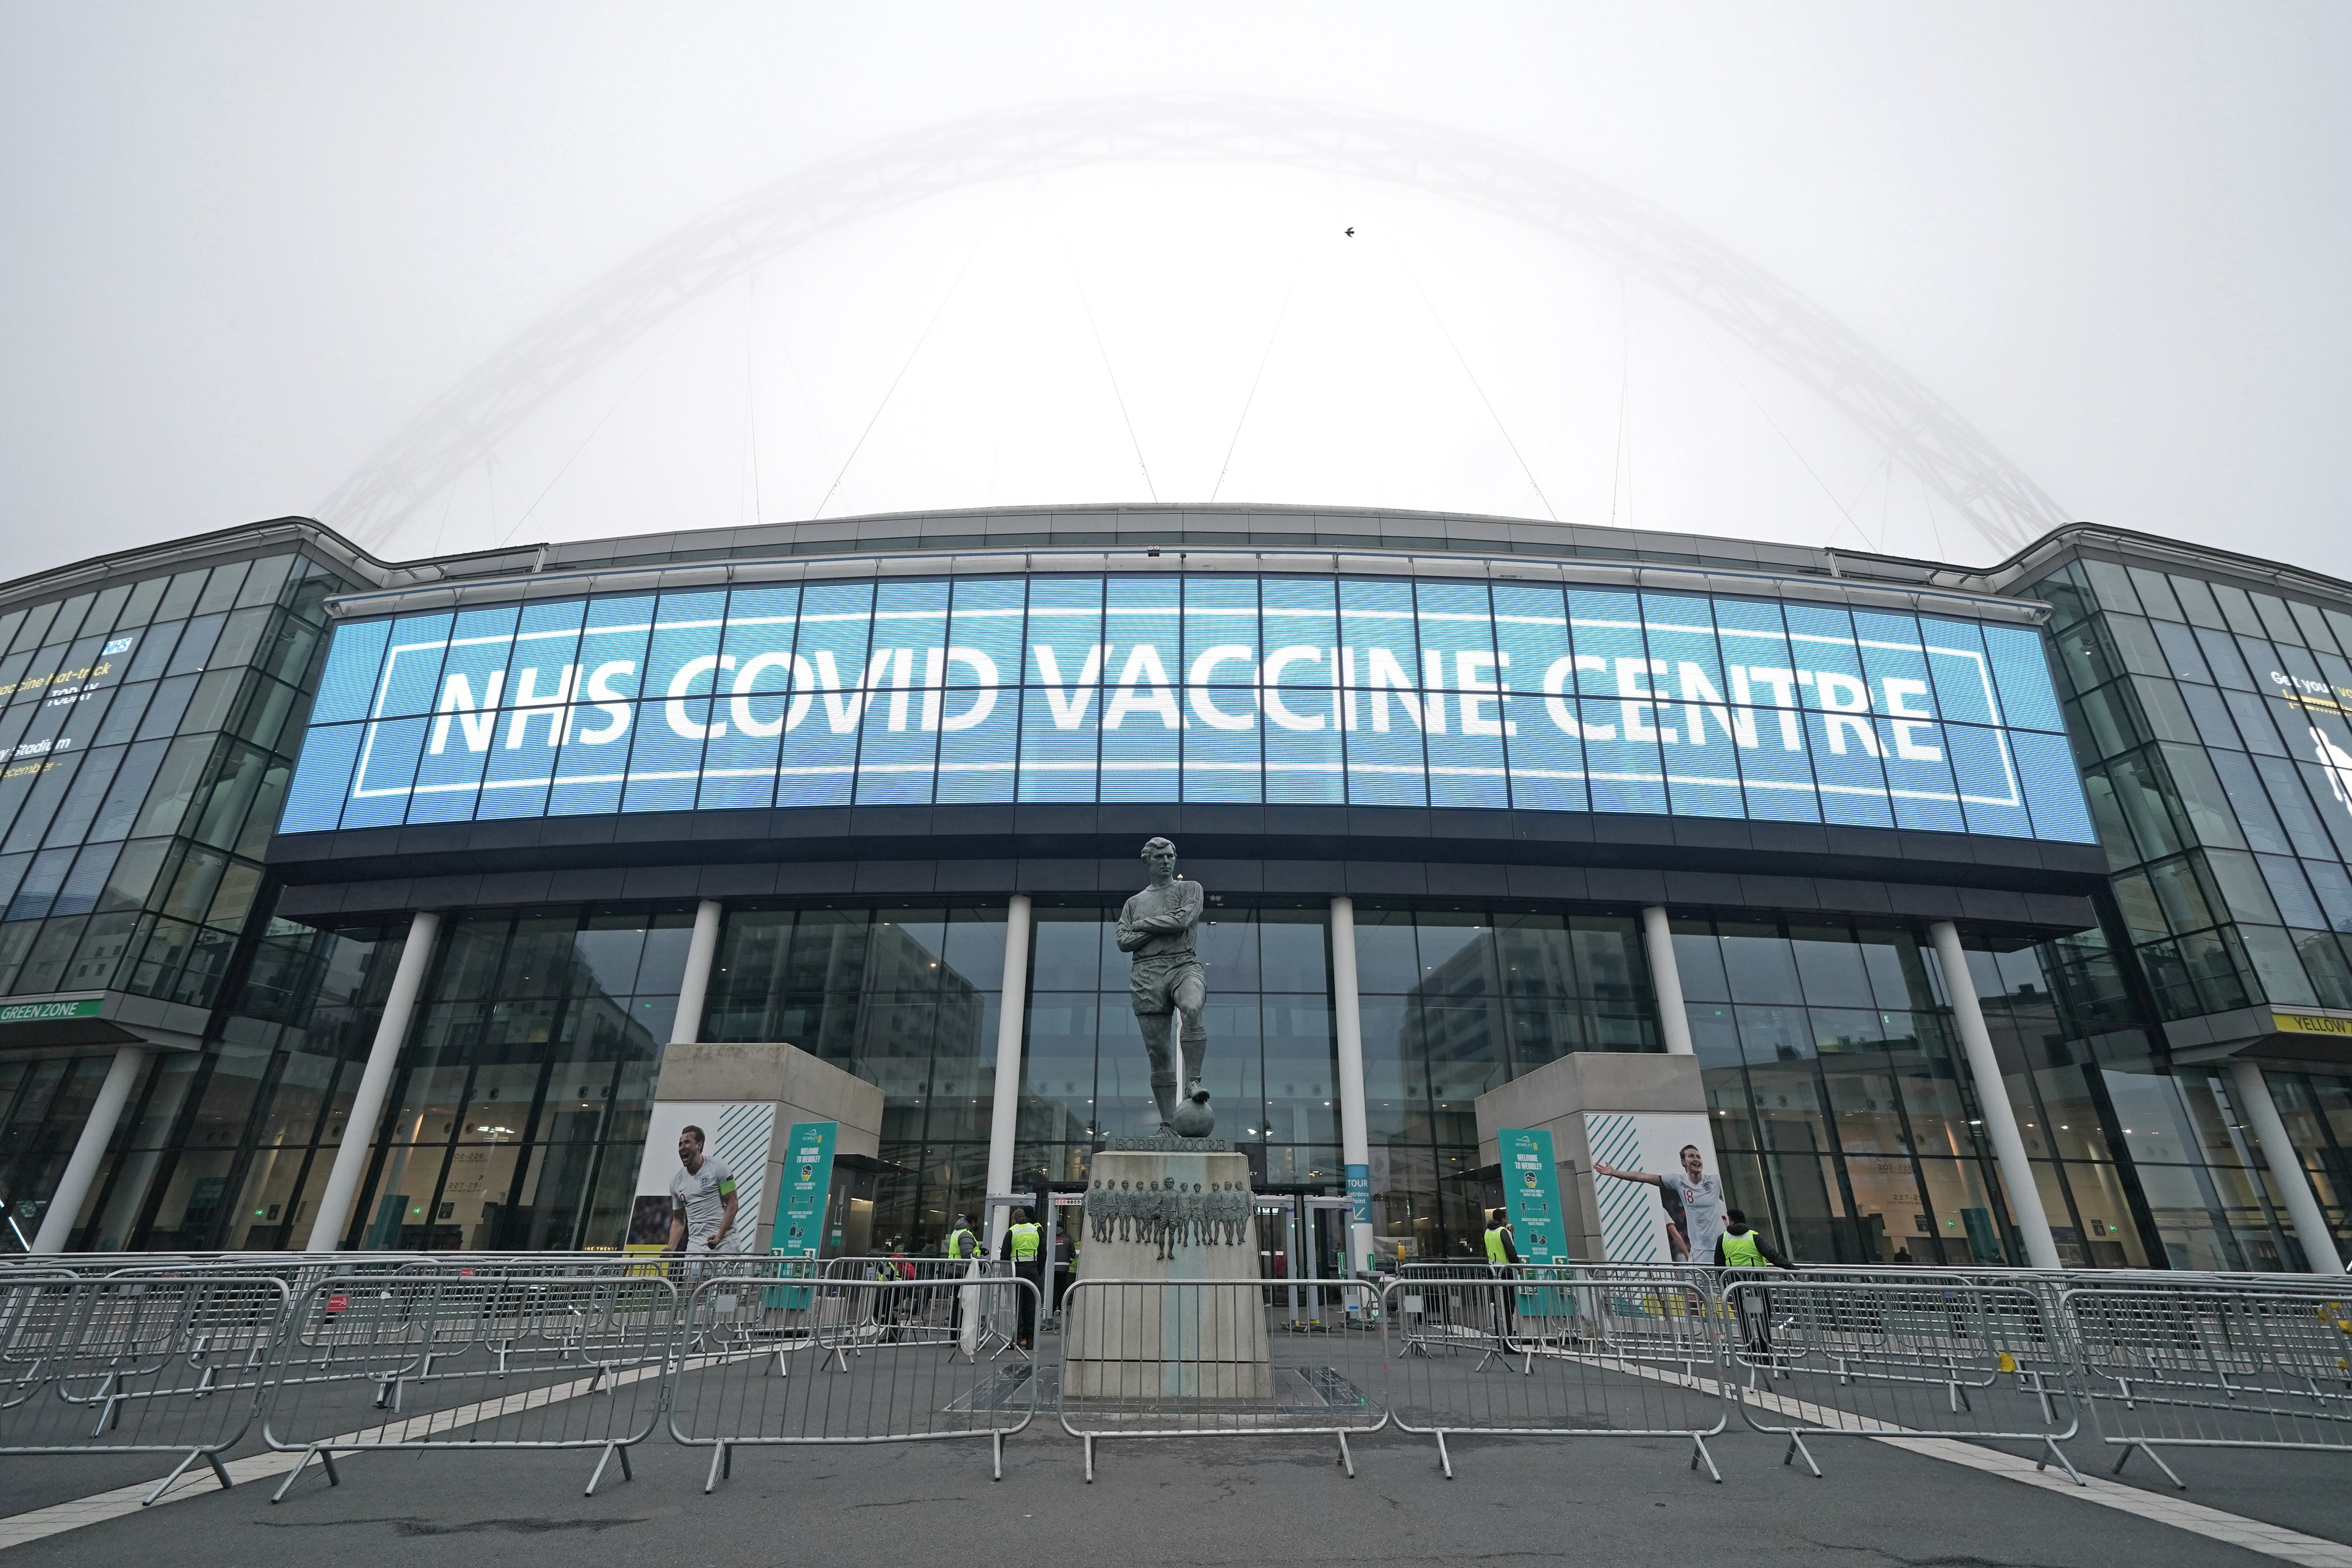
686,1024
1004,1112
90,1151
1992,1098
375,1082
1355,1140
1667,980
2294,1183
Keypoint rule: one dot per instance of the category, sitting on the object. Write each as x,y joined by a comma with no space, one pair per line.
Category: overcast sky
245,246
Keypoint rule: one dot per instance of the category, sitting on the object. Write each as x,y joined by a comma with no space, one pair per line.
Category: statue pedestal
1172,1211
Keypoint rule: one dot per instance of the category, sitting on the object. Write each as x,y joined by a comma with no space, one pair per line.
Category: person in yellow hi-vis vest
962,1245
1742,1246
1501,1255
1020,1244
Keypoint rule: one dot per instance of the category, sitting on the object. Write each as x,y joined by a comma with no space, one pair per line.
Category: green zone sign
47,1012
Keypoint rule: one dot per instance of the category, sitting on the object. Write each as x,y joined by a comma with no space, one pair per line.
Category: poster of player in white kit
1656,1184
736,1134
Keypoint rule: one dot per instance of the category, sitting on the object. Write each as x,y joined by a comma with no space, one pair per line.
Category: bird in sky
1352,231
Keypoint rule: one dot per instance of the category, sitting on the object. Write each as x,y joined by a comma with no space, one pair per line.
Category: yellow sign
2310,1023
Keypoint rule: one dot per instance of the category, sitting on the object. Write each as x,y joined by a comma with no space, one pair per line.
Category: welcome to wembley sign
1279,690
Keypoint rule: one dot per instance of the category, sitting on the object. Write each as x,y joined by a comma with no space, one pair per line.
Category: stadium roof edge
1646,553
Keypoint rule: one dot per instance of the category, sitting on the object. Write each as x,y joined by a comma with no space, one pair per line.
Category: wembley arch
1951,458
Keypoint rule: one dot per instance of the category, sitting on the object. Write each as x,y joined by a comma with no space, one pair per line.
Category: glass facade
906,1000
1458,1002
2208,712
2218,751
519,1110
1842,1118
147,737
148,734
1838,1102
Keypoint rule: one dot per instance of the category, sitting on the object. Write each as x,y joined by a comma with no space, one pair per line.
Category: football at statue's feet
1193,1119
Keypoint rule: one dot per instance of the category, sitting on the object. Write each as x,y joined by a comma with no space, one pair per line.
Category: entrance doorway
1302,1238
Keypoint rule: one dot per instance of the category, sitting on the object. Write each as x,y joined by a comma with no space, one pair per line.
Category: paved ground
1274,1501
1188,1502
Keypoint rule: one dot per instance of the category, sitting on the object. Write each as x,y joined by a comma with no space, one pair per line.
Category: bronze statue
1165,978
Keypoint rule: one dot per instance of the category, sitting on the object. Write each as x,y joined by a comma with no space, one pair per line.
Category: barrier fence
847,1360
2216,1367
1556,1353
327,1355
1195,1358
1915,1360
438,1362
135,1365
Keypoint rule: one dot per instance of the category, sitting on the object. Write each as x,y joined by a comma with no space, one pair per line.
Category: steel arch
1925,435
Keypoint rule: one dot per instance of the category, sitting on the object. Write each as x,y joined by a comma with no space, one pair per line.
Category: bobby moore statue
1155,928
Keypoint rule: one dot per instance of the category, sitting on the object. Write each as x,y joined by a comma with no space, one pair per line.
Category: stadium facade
469,841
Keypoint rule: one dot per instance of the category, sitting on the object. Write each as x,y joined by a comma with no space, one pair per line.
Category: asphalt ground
327,1409
1272,1501
1248,1499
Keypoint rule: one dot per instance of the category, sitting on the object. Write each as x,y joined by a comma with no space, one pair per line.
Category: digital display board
1305,690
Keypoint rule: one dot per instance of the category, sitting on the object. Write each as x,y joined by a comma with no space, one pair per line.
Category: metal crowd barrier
431,1362
1559,1353
545,1265
1430,1324
894,1360
2238,1367
901,1268
1158,1358
1650,1314
1970,1360
156,1366
344,1353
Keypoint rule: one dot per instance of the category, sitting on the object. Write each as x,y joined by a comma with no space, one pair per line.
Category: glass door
1324,1253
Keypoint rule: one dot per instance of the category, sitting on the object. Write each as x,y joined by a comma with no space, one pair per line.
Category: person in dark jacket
1500,1249
1501,1254
1742,1246
962,1246
1024,1244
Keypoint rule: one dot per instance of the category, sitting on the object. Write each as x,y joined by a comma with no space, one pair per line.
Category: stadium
1973,914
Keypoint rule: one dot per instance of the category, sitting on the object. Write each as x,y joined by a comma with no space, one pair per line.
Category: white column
375,1082
1667,980
89,1151
1992,1098
686,1024
2254,1102
1347,1020
1004,1112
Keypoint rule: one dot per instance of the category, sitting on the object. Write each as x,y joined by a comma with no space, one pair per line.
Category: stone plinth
1167,1214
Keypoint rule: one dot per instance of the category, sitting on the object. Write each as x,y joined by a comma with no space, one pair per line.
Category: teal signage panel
1531,1198
801,1203
800,1220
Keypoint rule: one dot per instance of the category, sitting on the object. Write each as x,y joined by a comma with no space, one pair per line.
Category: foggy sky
243,246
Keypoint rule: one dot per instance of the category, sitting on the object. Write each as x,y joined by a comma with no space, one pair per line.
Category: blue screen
1280,690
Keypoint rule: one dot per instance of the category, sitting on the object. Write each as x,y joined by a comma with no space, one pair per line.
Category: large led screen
1307,690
